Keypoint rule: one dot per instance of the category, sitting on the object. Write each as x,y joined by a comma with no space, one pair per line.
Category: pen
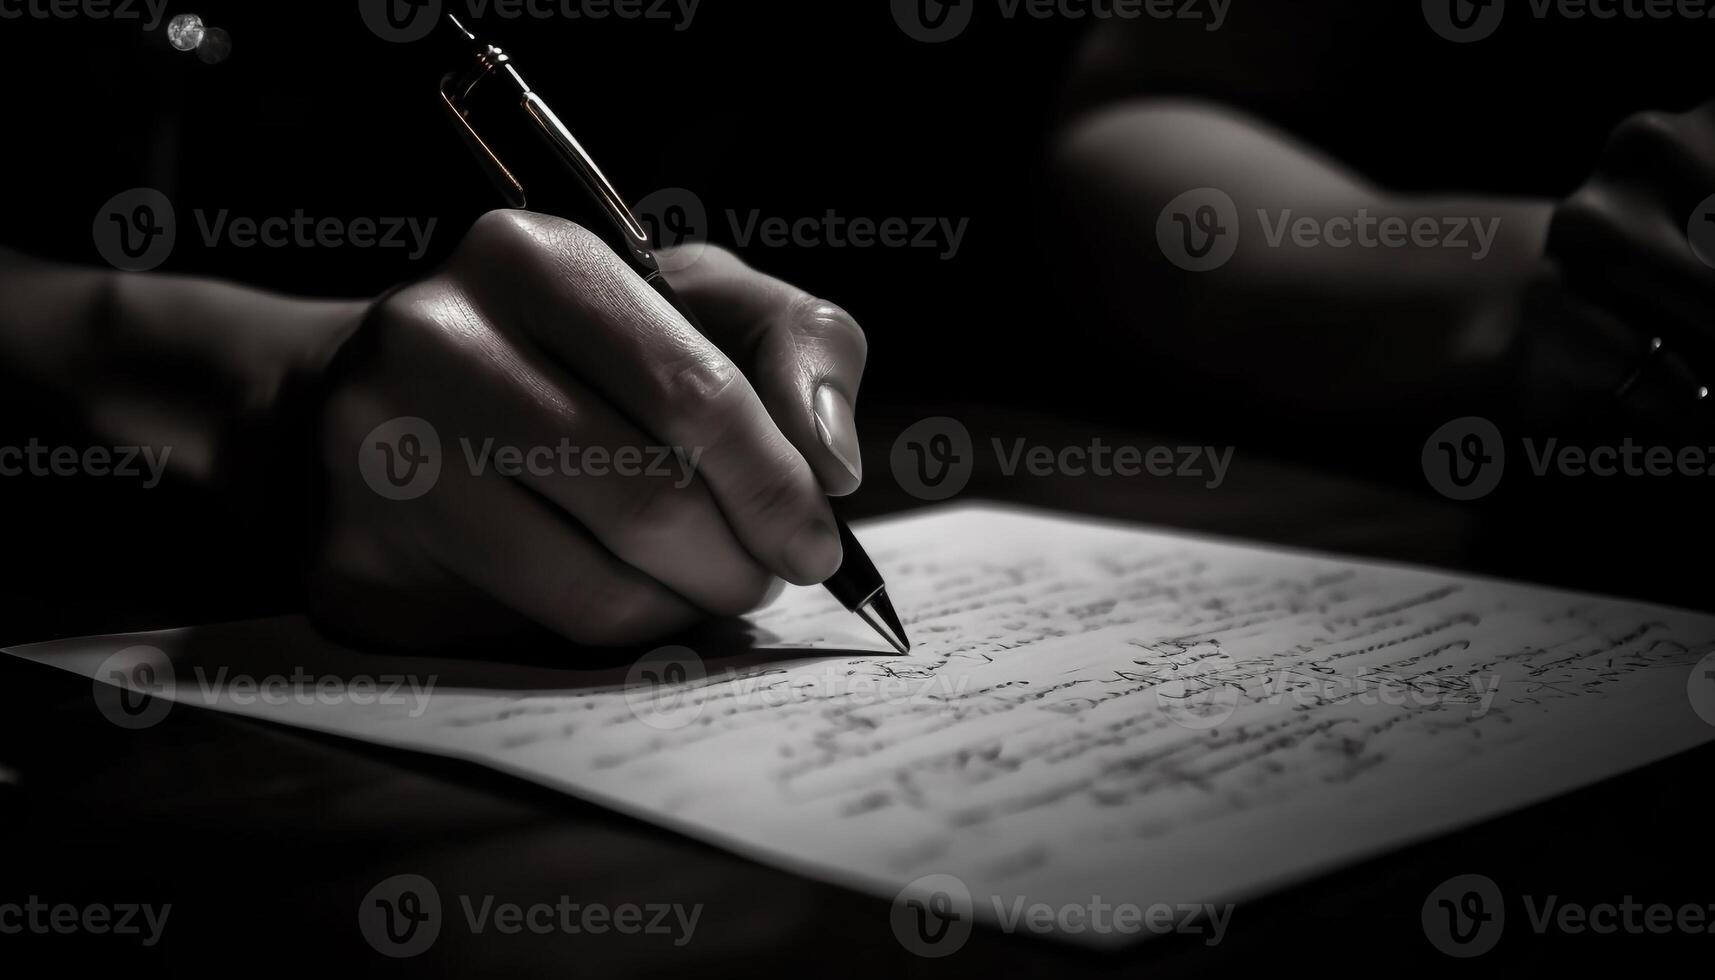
857,584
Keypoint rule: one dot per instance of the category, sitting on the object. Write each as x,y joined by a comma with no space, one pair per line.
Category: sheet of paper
1091,712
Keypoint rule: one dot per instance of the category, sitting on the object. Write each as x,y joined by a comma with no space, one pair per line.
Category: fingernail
834,423
814,553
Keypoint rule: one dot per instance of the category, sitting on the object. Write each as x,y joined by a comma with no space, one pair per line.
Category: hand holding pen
540,333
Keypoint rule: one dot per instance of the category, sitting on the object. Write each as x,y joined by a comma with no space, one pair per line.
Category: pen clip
572,153
455,89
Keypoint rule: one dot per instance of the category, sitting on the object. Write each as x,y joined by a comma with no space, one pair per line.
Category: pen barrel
857,581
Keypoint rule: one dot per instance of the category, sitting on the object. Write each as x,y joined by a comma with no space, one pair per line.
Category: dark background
796,108
268,838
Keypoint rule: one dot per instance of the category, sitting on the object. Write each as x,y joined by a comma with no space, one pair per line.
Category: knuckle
1645,135
499,231
829,322
531,244
578,247
1589,216
778,496
697,386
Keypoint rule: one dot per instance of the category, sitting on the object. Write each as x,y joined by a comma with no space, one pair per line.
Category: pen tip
878,613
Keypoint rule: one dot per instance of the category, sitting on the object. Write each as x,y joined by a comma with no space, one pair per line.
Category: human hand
536,336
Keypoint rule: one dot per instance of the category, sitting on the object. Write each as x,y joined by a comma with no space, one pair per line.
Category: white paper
1090,712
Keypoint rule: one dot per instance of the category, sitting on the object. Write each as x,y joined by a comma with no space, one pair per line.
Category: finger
508,543
643,502
805,356
1671,156
594,316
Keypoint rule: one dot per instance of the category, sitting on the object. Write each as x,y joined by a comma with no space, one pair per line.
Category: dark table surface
266,840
